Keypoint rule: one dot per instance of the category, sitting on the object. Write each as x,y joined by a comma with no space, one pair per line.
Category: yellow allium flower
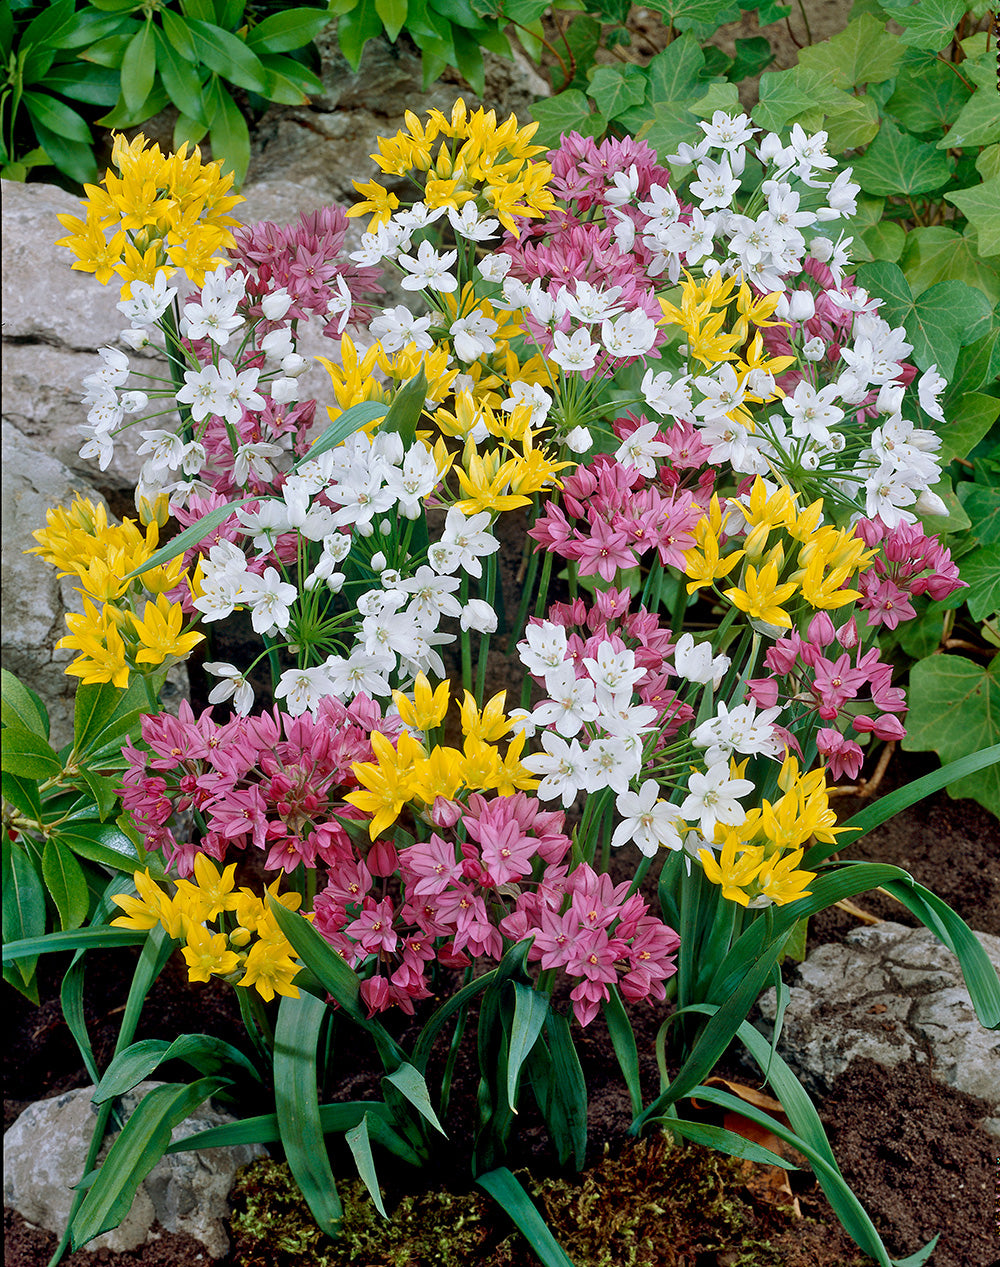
427,708
159,632
762,596
485,483
271,970
387,782
489,725
207,954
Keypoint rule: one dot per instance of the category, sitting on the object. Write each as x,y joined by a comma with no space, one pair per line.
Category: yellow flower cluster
716,330
759,861
269,964
475,158
162,211
408,772
827,557
111,634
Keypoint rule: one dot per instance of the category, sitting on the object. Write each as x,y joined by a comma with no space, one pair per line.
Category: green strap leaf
429,1033
530,1011
360,1146
78,939
895,802
345,425
189,538
623,1041
568,1103
508,1193
410,1083
105,843
181,80
207,1054
724,1141
297,1103
135,1152
229,133
334,1118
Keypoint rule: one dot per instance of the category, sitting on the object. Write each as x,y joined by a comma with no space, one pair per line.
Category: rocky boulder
45,1150
890,994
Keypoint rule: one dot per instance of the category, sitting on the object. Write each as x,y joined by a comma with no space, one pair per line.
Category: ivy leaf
927,98
955,711
981,570
975,415
787,95
937,323
979,205
978,122
851,122
983,507
567,112
615,88
938,253
988,162
864,53
930,24
885,240
897,163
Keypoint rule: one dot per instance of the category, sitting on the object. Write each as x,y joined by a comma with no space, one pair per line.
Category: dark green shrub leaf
287,31
356,28
228,56
20,705
28,755
229,133
139,68
65,882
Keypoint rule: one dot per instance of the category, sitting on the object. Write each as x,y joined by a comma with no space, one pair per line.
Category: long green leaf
227,55
360,1146
28,755
207,1054
334,1118
849,1209
19,705
65,882
345,425
512,1198
331,969
893,803
568,1106
23,907
623,1041
724,1141
530,1011
189,537
410,1083
428,1035
98,707
297,1103
134,1153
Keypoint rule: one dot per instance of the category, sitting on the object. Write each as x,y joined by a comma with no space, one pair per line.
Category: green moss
653,1206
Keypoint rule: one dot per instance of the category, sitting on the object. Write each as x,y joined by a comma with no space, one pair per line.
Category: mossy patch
652,1206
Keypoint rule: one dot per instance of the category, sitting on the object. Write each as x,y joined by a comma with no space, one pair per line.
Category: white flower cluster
344,500
595,737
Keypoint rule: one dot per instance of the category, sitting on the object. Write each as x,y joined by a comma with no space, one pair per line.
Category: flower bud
134,339
801,305
445,813
929,503
284,391
382,858
848,636
275,305
294,365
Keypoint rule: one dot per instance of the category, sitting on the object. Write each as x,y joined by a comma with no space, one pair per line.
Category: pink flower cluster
908,564
273,782
854,689
307,260
478,891
621,515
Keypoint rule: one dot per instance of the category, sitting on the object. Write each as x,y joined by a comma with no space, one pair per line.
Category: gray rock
326,146
54,319
34,598
890,994
44,1152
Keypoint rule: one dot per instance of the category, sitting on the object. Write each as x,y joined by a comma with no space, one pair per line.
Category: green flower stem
454,1045
488,591
272,660
466,638
176,363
